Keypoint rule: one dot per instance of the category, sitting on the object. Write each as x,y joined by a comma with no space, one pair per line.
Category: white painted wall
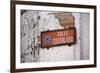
47,21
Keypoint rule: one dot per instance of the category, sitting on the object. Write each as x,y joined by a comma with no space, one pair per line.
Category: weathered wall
32,23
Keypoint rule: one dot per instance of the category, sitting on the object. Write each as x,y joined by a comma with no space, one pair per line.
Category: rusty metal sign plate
58,37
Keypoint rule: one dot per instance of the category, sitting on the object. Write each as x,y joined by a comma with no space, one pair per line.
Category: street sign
58,37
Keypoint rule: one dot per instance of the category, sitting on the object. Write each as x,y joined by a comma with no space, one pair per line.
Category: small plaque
58,37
